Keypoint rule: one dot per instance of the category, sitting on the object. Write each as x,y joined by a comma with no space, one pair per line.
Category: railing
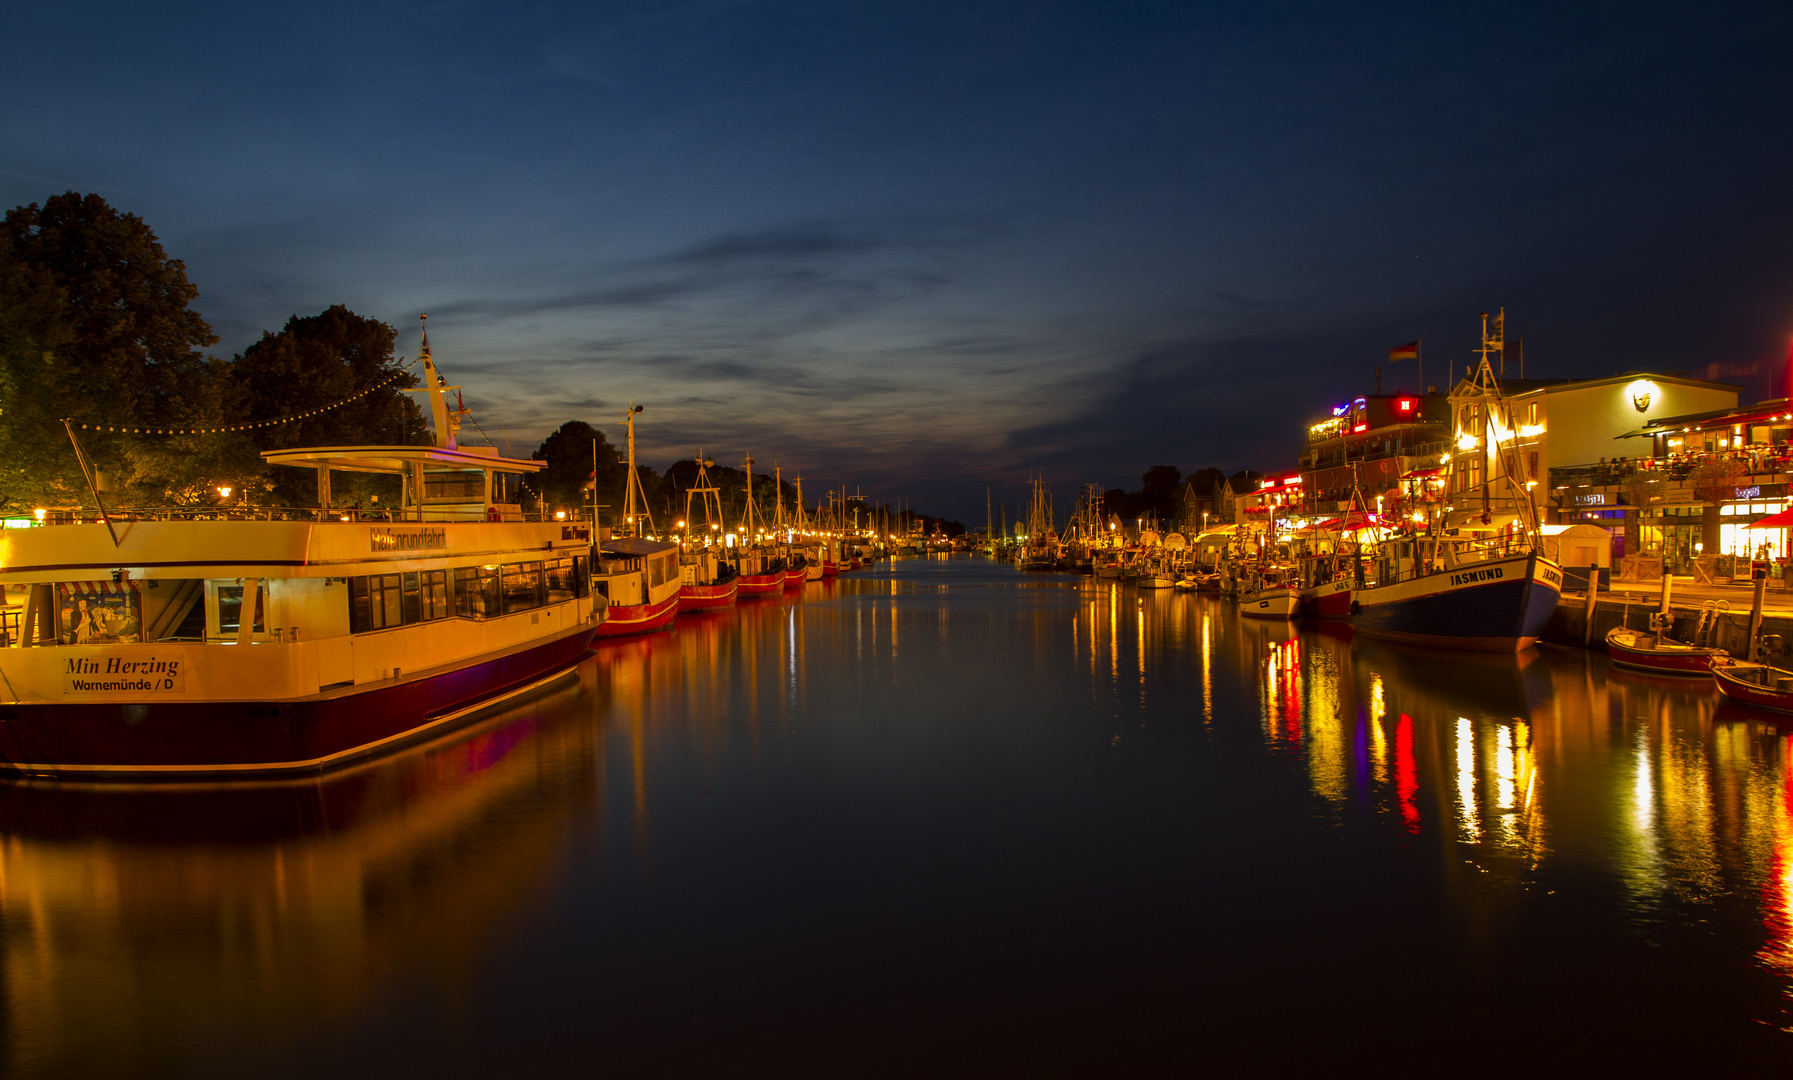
85,516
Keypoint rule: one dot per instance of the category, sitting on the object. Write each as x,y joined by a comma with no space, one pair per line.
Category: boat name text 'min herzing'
118,673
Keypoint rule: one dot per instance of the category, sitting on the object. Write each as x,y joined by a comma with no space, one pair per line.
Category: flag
1409,351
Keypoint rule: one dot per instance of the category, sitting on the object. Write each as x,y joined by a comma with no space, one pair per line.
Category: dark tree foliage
568,452
96,327
315,361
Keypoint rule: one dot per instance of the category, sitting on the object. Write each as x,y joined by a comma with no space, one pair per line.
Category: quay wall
1568,624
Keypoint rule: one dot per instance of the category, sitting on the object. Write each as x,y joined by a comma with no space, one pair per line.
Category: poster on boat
100,612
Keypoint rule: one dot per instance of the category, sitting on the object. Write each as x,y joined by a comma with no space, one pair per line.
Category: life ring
492,514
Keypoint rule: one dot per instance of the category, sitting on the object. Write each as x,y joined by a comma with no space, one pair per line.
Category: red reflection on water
1777,884
1406,773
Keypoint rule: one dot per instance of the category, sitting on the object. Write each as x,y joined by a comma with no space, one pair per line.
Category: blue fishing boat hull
1498,606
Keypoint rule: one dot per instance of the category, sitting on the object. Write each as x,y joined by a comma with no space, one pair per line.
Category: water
945,818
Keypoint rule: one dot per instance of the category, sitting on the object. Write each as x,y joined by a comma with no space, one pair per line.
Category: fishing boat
183,644
1759,685
1040,550
761,565
639,576
1270,592
1476,578
707,582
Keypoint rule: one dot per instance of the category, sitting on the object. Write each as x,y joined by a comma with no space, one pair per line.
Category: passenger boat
1470,581
172,643
639,577
1754,684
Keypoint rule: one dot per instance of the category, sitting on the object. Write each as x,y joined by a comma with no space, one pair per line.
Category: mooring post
1758,571
1587,632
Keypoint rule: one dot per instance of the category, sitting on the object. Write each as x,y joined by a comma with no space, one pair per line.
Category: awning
1423,474
1782,520
634,545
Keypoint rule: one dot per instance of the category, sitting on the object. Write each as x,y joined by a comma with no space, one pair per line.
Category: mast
778,524
751,518
446,421
632,492
710,495
1494,428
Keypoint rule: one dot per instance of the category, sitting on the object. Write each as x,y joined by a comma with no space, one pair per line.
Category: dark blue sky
925,247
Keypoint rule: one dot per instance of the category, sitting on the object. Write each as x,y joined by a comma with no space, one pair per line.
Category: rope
294,418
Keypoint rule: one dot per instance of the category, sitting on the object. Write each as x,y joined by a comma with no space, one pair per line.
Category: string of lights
293,418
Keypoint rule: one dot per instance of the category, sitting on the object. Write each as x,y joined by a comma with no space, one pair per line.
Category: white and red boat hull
309,733
706,597
1270,604
796,579
1331,600
761,584
639,618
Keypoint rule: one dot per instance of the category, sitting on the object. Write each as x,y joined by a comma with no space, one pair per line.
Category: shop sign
1592,498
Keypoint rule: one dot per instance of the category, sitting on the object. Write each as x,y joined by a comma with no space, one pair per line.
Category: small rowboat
1658,654
1754,684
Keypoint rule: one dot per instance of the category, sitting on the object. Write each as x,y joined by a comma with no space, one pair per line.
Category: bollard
1587,632
1759,571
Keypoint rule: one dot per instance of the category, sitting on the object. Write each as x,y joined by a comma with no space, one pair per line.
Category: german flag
1409,351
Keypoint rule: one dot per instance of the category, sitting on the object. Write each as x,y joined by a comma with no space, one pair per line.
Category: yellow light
40,511
1468,442
1531,431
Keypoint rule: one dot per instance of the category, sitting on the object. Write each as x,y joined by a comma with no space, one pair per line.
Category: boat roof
634,545
398,459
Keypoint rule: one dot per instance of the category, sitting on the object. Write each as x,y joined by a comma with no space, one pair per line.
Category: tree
568,452
322,360
1714,482
1642,491
99,329
1159,488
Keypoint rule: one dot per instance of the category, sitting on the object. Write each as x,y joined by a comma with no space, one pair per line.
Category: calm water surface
943,818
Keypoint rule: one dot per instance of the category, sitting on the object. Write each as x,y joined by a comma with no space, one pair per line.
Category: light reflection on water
944,799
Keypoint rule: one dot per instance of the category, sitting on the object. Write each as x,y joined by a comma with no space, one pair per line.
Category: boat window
467,485
230,607
522,587
375,602
560,580
476,592
507,488
432,595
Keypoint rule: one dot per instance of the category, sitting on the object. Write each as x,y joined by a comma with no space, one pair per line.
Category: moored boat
706,581
1659,654
1327,600
311,638
640,578
1476,578
1759,685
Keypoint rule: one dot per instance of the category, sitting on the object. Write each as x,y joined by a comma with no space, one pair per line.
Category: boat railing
123,515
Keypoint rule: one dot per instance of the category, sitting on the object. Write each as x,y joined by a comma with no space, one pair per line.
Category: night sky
922,248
